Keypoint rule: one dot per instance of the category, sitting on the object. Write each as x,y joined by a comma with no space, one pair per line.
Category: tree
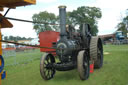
11,38
46,18
123,25
5,37
85,14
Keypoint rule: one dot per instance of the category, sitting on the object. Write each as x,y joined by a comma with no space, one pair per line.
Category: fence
13,57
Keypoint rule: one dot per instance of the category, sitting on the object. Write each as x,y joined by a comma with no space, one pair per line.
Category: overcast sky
112,11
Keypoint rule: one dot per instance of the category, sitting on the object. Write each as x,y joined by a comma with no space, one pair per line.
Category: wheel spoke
48,60
50,72
45,69
45,62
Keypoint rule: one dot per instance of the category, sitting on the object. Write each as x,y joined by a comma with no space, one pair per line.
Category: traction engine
72,50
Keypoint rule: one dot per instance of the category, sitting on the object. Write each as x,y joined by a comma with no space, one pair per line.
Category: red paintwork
91,68
46,39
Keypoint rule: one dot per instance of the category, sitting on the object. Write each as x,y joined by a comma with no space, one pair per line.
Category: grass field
114,71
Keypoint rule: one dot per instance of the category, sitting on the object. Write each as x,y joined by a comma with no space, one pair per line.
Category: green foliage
123,25
85,14
5,37
46,18
13,38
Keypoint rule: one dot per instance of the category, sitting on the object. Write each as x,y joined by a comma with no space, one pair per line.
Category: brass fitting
62,6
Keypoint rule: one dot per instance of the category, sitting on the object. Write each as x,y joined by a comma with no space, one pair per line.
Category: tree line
83,14
13,38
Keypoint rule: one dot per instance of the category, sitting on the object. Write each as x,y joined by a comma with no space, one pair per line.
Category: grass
113,72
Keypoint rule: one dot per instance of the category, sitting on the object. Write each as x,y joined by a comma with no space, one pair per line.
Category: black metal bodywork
70,43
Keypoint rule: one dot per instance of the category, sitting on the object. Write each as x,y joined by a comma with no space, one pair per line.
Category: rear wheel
46,66
96,52
99,62
83,65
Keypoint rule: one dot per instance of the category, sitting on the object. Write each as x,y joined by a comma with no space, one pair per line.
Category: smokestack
62,14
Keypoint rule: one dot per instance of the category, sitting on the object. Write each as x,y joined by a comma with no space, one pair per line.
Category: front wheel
46,66
83,65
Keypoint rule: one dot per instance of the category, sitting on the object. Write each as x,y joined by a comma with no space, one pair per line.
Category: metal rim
46,66
83,65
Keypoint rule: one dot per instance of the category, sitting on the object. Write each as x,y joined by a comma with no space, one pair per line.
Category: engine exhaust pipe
62,14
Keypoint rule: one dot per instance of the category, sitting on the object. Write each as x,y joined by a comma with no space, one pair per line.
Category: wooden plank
0,52
15,3
5,23
1,9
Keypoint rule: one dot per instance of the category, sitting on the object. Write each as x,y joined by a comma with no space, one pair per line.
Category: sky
112,13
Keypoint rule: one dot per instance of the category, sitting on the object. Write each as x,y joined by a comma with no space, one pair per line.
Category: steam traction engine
73,50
